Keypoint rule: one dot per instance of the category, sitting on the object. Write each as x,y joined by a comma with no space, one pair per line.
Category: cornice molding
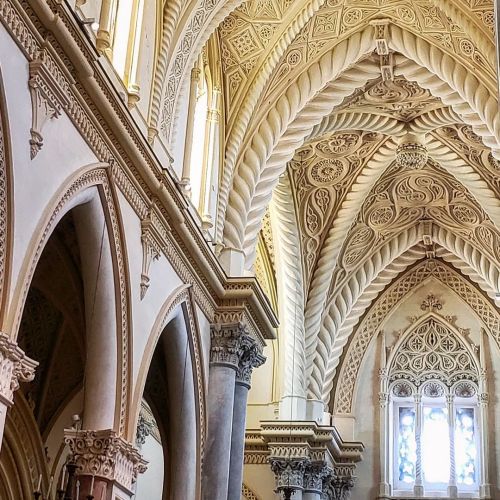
97,111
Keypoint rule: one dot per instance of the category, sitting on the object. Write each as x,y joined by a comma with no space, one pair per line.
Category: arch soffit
251,180
77,191
336,240
342,301
374,320
396,269
5,204
179,301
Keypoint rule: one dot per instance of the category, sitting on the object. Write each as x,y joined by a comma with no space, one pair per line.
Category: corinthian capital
15,367
227,343
106,455
289,473
251,357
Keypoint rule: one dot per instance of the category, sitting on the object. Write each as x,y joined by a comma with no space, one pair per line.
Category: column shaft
220,417
238,440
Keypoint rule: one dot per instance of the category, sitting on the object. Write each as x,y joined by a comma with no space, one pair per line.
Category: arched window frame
119,38
203,153
415,396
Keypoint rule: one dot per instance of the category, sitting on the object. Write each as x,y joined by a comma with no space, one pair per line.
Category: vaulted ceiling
361,137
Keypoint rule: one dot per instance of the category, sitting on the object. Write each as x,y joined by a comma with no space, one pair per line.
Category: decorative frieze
15,367
106,455
47,98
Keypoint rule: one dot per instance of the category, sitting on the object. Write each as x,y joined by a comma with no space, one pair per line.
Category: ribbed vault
365,136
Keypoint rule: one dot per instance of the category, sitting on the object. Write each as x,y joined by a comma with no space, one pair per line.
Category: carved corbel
153,237
47,98
15,367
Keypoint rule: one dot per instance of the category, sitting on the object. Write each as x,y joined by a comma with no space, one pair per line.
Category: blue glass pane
465,447
435,445
407,451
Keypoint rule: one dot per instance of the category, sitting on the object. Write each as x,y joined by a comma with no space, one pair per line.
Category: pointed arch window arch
433,419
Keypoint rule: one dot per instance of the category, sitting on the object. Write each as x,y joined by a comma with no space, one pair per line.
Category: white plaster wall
260,479
150,484
35,182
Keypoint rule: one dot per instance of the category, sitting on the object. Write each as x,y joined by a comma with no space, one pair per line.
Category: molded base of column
485,491
384,490
418,491
452,491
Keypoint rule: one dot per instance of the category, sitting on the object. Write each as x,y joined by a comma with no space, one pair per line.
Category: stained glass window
407,451
435,445
465,446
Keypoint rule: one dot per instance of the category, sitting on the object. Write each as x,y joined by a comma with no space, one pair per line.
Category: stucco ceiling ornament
322,175
410,50
325,347
411,152
351,362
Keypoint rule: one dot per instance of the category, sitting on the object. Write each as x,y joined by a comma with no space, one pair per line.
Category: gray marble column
225,354
289,473
251,358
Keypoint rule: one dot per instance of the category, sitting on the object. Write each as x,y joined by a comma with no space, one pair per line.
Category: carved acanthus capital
341,487
47,96
289,472
144,429
315,475
251,357
227,344
15,367
106,455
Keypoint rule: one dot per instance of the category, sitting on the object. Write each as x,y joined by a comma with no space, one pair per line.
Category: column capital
251,357
289,472
106,455
15,367
233,346
315,475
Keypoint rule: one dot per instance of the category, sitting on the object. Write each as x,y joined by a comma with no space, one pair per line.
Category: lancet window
433,413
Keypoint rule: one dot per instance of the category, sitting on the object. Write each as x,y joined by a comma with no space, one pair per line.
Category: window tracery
431,413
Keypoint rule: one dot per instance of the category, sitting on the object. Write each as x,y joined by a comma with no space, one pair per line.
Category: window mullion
452,486
419,484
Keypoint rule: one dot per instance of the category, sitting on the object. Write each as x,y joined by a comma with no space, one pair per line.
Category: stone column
15,367
251,358
314,475
225,354
289,473
106,461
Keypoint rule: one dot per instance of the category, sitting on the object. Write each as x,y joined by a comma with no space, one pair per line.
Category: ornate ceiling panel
322,175
383,116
